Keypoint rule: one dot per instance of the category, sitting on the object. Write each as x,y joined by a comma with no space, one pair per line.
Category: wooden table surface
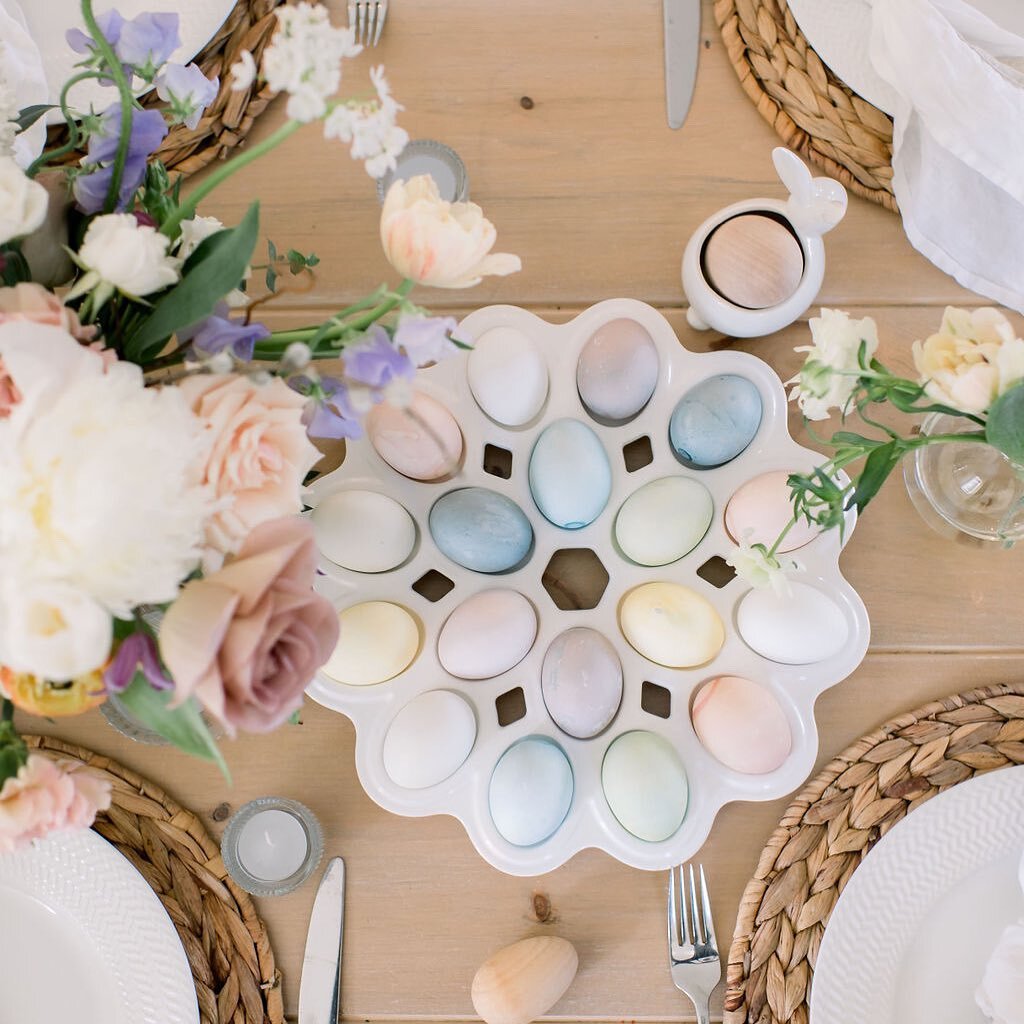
586,182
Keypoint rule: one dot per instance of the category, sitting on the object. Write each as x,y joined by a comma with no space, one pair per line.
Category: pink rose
259,456
33,303
247,639
47,796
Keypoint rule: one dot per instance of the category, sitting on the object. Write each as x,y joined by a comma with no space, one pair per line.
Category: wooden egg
523,981
753,261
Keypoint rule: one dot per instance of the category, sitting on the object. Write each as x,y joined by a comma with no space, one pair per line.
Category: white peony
23,201
121,253
1001,993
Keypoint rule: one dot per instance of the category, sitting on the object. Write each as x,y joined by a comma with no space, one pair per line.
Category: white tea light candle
272,845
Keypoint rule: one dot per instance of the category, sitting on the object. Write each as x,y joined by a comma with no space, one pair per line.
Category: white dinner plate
912,931
84,938
840,33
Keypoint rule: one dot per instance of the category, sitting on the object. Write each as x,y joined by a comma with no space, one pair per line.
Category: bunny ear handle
816,205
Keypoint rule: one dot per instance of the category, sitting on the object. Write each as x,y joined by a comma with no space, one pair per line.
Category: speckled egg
742,725
759,511
663,520
644,782
422,442
429,739
581,681
570,477
715,420
363,530
531,791
508,376
480,529
671,625
486,635
617,371
378,641
798,628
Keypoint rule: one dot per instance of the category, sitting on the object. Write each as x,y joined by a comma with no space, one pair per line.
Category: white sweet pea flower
370,127
23,202
243,72
120,254
195,231
832,367
755,566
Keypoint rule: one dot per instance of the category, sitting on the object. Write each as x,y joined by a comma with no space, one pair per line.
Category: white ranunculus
755,566
102,490
1001,993
127,255
52,629
195,231
23,201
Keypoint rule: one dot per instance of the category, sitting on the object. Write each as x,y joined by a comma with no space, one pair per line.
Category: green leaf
13,752
271,251
208,275
1005,428
183,726
28,116
877,467
271,279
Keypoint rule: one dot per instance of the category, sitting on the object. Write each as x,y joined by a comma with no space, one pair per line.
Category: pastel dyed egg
570,477
715,420
617,371
742,725
581,681
798,628
486,635
760,510
429,739
671,625
530,791
663,520
508,376
422,442
363,530
480,529
378,641
644,782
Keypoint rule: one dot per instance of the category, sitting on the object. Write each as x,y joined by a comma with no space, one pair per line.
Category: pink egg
423,442
759,511
742,725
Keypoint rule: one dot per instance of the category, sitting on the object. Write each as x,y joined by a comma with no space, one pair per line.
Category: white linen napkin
958,143
21,71
1000,995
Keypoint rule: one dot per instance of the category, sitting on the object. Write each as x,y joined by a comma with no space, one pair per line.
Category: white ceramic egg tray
590,822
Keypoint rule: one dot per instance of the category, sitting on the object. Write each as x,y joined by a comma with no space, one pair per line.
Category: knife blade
320,982
682,50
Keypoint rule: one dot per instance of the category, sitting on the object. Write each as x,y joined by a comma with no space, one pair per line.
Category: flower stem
782,536
923,439
74,135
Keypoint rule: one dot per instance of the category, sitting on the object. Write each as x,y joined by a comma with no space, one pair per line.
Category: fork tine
361,9
705,899
673,912
382,13
698,930
352,19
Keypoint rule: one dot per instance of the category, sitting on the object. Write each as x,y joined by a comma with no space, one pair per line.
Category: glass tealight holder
272,845
441,162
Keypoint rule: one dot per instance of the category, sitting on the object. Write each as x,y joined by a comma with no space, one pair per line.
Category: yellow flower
54,700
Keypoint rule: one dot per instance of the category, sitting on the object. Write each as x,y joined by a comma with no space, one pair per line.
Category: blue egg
481,529
715,420
570,477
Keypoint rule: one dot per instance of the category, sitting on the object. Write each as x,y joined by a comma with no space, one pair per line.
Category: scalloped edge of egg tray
589,821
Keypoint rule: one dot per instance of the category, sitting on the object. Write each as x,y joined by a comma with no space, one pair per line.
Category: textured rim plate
590,822
92,942
913,929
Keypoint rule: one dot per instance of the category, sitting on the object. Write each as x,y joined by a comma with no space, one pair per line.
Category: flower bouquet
154,437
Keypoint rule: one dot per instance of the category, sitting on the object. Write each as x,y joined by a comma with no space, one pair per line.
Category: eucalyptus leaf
1005,428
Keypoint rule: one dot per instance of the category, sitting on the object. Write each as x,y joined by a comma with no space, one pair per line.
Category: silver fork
692,952
367,18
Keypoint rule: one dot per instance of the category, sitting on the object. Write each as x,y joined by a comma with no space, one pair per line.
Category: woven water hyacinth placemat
826,832
814,113
226,943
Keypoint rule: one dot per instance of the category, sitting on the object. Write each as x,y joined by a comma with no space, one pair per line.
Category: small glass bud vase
967,491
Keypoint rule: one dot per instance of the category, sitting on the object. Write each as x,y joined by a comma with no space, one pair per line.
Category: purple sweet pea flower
427,339
110,23
329,411
148,40
91,190
378,362
188,91
148,130
137,651
217,333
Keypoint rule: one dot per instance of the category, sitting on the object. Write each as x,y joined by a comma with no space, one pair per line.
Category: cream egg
742,725
508,376
429,739
671,625
378,641
488,634
759,511
530,791
422,442
581,682
363,530
798,628
663,520
644,782
617,371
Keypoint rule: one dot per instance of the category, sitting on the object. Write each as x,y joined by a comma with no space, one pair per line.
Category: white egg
671,625
664,520
363,530
378,641
508,376
581,682
645,785
487,634
429,739
800,628
531,791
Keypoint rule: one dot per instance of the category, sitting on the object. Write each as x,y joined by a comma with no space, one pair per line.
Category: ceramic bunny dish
755,266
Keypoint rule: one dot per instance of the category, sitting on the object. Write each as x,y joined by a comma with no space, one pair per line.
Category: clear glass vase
967,491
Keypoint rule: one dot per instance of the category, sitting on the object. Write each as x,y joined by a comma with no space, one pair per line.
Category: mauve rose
32,303
247,639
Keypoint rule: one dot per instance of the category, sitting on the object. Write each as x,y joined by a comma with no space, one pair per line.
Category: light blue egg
531,791
480,529
570,477
715,420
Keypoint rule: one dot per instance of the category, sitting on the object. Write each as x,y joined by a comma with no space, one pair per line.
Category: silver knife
682,49
320,984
